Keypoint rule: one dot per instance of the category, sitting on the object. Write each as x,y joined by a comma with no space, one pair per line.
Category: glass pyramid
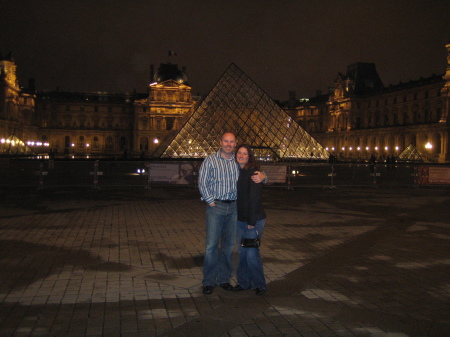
236,104
14,146
410,154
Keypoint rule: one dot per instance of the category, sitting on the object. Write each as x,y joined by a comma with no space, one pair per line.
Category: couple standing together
231,186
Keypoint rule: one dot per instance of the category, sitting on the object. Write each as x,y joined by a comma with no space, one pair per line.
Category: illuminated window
67,141
81,142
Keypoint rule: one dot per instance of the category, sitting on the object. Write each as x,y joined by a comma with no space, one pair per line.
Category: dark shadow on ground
45,260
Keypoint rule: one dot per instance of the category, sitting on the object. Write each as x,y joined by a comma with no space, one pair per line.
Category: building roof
168,71
365,78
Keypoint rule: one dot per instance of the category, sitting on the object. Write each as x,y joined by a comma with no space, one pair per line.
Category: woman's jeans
250,273
220,229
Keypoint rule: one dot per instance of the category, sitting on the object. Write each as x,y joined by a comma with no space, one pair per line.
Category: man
218,177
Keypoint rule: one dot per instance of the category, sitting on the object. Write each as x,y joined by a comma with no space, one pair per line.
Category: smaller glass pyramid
410,154
14,146
236,104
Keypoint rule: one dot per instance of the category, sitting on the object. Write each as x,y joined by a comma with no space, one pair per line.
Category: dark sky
283,45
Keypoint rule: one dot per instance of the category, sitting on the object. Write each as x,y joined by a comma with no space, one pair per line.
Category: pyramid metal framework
410,154
236,104
14,146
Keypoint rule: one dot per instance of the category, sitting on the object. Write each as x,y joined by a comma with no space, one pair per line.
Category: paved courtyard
128,262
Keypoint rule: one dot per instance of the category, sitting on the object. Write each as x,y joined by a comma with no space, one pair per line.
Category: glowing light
428,146
156,141
376,148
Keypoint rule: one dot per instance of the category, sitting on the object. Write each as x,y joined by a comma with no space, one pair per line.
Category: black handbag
251,243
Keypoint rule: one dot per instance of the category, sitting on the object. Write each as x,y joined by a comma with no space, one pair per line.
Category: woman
251,221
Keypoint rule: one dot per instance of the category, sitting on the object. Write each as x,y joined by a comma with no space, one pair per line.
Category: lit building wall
112,125
17,108
160,114
383,123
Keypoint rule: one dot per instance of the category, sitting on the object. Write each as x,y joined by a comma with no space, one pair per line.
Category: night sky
283,45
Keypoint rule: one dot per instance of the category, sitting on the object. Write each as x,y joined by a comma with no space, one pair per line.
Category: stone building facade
114,125
360,117
17,106
357,118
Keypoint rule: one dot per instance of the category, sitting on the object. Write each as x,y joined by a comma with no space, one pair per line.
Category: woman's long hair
252,163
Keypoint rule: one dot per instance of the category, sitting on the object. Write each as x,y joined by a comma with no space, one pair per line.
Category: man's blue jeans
250,273
220,230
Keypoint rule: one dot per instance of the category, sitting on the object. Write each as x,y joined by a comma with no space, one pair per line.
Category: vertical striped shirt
218,178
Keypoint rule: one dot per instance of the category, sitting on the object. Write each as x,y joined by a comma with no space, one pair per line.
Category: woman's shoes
260,291
207,290
238,287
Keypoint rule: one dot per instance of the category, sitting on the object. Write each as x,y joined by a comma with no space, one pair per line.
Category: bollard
195,174
41,173
288,179
332,175
96,173
148,176
416,176
375,174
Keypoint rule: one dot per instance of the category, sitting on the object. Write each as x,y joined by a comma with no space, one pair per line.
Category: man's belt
224,201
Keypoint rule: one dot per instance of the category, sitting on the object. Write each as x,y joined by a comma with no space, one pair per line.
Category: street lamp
429,147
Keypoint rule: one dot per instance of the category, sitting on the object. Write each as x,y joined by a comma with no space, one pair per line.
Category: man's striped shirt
218,178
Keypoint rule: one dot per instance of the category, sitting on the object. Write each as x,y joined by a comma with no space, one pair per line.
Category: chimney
152,72
292,95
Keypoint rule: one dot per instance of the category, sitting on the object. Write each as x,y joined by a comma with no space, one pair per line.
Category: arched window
123,143
67,141
109,144
143,144
95,144
437,143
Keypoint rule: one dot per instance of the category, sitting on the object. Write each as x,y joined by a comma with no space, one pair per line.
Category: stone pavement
341,262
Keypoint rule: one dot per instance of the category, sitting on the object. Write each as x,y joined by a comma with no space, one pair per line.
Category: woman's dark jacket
249,205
